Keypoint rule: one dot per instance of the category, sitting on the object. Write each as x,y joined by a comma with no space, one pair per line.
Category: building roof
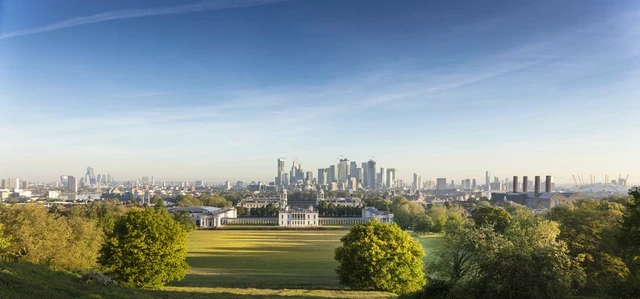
375,211
197,209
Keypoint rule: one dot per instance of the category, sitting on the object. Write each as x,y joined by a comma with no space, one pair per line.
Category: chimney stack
515,184
525,184
547,185
537,184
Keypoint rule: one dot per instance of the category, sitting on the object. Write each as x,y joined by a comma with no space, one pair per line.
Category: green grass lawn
224,264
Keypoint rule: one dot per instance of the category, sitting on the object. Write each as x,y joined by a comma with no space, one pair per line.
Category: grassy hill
224,264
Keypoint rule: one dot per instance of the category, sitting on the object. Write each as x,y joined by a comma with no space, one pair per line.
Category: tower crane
574,180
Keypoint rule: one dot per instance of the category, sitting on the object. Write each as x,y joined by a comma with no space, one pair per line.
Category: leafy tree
4,240
590,228
377,256
146,249
522,262
157,201
438,214
629,241
405,212
495,217
49,239
526,262
185,221
241,211
422,224
378,203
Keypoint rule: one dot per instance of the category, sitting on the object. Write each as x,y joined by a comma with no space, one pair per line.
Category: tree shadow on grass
225,295
259,281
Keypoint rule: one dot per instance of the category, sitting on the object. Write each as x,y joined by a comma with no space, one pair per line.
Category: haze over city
218,90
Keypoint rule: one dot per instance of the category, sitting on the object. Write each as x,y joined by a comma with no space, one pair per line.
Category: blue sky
218,90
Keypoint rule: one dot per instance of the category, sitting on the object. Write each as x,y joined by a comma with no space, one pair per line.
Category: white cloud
138,13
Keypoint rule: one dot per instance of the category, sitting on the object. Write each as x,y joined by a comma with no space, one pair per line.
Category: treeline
104,236
589,248
190,200
270,210
331,210
419,218
310,195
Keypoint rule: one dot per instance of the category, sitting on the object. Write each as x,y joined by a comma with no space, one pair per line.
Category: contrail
137,13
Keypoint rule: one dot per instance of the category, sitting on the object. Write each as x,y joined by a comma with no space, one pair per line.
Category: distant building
322,176
298,217
370,213
353,184
533,200
53,194
207,217
280,201
72,185
441,184
343,171
14,183
391,177
370,174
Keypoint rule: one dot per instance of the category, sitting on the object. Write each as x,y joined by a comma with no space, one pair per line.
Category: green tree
590,228
157,201
146,249
49,239
629,241
4,240
527,262
422,224
495,217
522,262
185,221
438,214
241,211
377,256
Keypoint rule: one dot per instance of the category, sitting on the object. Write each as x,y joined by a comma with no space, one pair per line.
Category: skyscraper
280,173
64,180
382,178
488,182
343,170
333,174
414,185
322,176
352,166
420,185
391,177
90,177
14,183
370,174
72,185
441,184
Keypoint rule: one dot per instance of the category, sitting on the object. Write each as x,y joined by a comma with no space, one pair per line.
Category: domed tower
283,198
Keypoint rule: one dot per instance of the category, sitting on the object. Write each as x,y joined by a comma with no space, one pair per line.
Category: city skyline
303,174
216,91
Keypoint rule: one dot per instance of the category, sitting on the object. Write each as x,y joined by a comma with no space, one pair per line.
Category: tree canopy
377,256
50,239
495,217
522,261
147,248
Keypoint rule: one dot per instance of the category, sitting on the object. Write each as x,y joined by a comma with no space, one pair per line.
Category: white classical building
207,217
298,217
370,213
262,201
